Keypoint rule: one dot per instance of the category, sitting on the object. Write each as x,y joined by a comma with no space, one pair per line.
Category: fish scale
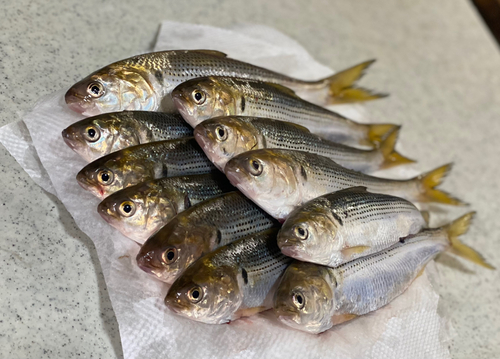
348,224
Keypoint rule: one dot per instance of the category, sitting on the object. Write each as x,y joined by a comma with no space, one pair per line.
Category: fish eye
170,255
298,300
95,89
199,97
221,133
256,167
105,177
127,208
301,232
195,294
92,134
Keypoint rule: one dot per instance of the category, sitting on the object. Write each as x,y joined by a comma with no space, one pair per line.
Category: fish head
206,293
304,299
223,138
202,98
138,211
113,88
269,178
309,234
100,135
112,173
168,252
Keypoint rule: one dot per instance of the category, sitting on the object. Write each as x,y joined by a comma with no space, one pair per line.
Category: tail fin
377,133
391,156
431,179
341,86
456,229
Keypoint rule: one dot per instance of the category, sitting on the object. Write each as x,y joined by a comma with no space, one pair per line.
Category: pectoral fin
341,318
354,252
248,312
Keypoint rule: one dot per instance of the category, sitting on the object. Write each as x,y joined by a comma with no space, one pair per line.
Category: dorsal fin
357,189
211,52
283,89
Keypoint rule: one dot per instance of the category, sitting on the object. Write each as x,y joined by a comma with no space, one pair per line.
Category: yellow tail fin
391,156
341,86
456,229
431,179
377,133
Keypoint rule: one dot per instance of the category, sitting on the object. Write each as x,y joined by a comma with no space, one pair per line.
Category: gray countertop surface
436,59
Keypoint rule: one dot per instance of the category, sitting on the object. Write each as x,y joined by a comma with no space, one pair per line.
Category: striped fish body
348,224
141,210
97,136
144,162
201,99
199,230
235,280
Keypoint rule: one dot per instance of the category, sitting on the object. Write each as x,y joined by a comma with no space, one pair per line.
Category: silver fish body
144,82
199,230
313,298
100,135
236,280
203,98
140,163
281,180
347,224
141,210
222,138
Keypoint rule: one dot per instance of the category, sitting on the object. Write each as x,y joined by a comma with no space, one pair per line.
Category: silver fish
141,210
144,82
140,163
314,298
236,280
200,99
222,138
281,180
198,231
97,136
347,224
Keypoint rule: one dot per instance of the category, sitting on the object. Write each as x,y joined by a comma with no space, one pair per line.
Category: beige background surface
436,59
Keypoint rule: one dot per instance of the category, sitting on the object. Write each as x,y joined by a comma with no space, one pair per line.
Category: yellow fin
430,180
341,318
348,253
211,52
427,217
378,132
357,189
341,85
391,156
457,228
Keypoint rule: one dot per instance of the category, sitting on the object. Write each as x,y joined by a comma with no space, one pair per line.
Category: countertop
436,59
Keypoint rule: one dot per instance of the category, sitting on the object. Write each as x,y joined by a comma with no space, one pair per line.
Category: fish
199,230
280,180
314,298
141,210
97,136
341,226
200,99
141,163
236,280
145,82
222,138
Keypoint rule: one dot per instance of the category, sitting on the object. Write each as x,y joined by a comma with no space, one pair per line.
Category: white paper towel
408,327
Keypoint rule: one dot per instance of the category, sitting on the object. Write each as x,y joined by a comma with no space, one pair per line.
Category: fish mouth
103,211
74,101
181,106
88,185
288,249
68,139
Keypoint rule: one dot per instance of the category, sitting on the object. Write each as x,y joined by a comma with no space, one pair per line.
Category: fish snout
145,261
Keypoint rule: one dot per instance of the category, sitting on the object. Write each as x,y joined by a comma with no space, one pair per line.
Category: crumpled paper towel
409,327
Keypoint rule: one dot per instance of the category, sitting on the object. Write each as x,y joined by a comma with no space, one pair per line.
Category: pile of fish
250,197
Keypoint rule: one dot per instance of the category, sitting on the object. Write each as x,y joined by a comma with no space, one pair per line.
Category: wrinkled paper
409,327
